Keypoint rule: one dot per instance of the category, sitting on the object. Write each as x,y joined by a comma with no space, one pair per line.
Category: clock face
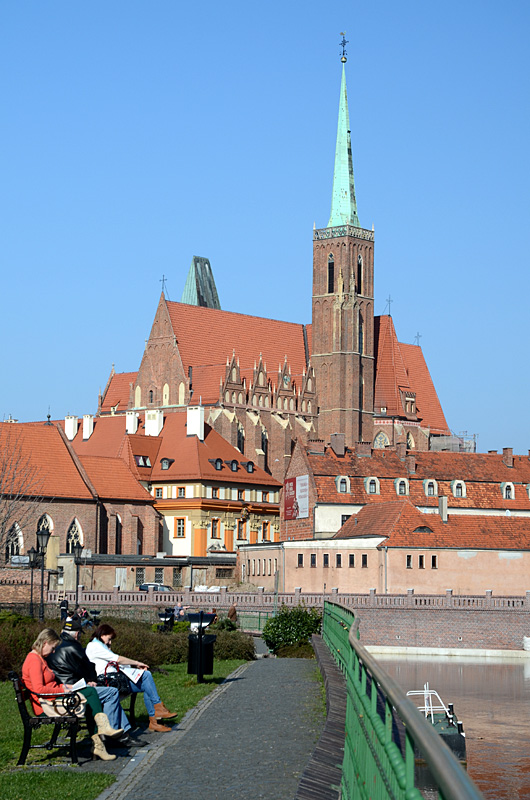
286,381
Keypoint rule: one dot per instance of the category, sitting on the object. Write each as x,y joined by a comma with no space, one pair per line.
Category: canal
492,698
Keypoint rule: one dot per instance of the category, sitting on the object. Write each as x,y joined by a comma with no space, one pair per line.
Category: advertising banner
296,497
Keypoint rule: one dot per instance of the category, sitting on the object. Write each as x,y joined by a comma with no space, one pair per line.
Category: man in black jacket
70,664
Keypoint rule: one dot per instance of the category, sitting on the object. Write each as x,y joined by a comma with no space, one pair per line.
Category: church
265,384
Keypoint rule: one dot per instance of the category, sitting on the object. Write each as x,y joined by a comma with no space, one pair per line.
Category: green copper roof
343,203
200,288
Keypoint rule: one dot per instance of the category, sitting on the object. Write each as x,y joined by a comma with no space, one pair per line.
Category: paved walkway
250,739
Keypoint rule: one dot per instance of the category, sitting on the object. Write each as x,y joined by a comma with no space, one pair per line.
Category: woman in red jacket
39,679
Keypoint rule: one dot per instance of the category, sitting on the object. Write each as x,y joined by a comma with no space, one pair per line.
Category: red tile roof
41,451
403,525
402,367
206,337
112,479
118,391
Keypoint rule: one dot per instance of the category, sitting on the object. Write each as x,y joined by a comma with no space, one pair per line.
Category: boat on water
443,719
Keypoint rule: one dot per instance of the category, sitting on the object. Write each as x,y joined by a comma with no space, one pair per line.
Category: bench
32,723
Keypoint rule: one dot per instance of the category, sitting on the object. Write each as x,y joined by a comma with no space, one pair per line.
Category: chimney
494,452
70,427
401,449
442,508
131,421
363,449
411,463
88,426
338,443
154,422
195,422
507,456
318,447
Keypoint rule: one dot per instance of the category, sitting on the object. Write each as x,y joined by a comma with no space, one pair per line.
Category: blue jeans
146,685
110,700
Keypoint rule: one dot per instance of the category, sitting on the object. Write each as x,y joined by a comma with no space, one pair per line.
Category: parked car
156,587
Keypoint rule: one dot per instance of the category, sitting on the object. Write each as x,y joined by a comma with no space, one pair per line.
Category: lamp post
42,539
77,549
32,555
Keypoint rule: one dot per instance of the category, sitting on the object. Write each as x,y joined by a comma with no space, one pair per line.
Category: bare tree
20,486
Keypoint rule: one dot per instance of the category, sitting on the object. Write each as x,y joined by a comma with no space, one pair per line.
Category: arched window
430,489
234,375
459,488
140,539
331,274
151,395
182,392
14,542
165,395
361,334
402,487
372,486
73,536
508,493
359,274
381,441
138,397
119,530
265,447
343,485
411,444
240,439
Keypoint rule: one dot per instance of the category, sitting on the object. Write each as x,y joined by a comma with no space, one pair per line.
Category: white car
156,587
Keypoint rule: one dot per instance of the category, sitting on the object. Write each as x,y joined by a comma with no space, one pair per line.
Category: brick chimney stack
507,456
411,463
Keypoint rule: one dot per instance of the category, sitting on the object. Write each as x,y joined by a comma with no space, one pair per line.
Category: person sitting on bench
39,679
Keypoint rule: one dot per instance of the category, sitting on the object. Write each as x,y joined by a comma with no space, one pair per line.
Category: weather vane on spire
343,45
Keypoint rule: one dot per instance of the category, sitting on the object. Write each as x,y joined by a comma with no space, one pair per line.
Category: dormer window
508,491
401,486
371,485
458,488
249,465
430,487
142,461
218,464
165,463
233,465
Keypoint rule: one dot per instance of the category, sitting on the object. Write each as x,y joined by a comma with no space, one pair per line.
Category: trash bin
200,654
200,645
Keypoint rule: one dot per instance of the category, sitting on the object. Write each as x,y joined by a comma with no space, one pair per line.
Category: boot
161,712
103,725
154,725
98,750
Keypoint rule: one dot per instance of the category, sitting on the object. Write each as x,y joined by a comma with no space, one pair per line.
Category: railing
374,766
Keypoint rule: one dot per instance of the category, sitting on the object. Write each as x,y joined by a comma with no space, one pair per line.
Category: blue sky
136,135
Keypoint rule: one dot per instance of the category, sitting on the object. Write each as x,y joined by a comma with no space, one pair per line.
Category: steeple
343,203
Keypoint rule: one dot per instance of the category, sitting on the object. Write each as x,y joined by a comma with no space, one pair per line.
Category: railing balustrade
374,766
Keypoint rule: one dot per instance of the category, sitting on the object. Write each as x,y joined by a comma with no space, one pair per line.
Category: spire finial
343,45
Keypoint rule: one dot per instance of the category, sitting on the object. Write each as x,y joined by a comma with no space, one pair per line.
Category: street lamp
32,555
77,549
42,540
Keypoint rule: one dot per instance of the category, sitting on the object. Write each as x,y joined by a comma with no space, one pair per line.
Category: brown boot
156,726
161,712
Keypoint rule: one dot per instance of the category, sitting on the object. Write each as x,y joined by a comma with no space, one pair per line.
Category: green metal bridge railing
373,765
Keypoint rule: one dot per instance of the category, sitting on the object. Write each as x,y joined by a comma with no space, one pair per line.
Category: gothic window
45,524
13,542
240,397
265,447
381,441
151,395
260,379
360,274
233,397
234,375
331,275
119,529
240,439
73,536
138,397
410,442
182,391
140,539
361,334
165,395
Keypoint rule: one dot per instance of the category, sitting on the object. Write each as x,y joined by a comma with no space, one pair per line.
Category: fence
374,765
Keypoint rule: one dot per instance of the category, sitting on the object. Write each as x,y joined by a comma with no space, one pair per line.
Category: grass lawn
47,775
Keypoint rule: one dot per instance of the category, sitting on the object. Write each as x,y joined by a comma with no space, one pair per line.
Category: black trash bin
200,646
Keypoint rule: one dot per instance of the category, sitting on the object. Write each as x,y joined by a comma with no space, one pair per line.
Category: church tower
343,302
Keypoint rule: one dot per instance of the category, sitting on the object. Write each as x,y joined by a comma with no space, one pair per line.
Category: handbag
63,705
116,680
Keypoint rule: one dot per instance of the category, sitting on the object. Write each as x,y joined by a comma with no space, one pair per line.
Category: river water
492,698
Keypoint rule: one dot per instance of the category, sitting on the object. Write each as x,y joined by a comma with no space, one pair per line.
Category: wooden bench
32,723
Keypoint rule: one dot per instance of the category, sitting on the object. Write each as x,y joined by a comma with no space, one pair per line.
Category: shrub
291,626
233,644
224,624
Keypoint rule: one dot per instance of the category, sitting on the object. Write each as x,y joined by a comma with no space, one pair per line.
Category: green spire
343,203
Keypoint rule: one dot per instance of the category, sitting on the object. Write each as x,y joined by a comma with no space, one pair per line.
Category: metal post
200,676
32,555
77,549
42,540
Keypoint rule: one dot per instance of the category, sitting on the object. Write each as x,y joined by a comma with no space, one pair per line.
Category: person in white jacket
99,652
